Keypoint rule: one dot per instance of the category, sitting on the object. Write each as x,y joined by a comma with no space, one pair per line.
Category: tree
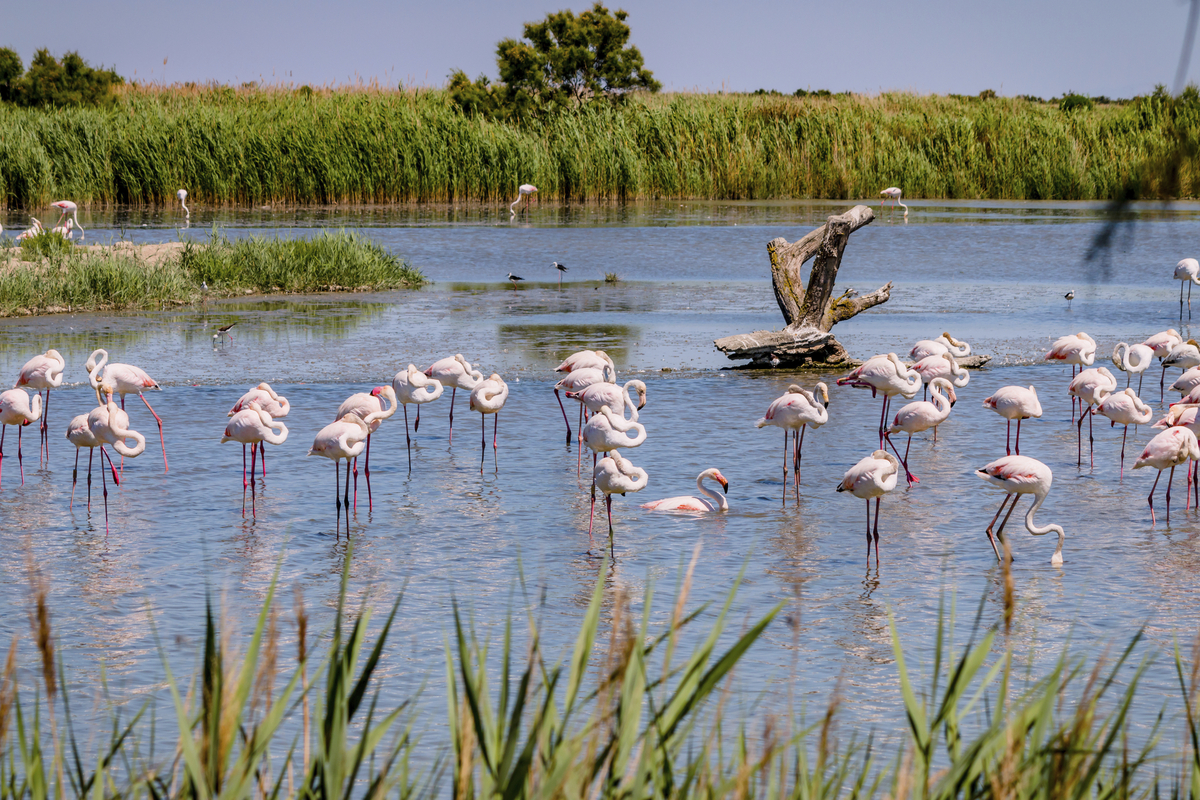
11,68
50,82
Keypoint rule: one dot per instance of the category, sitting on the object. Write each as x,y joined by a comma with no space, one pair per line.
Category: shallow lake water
991,273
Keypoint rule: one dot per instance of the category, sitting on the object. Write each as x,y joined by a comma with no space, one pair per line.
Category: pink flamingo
413,387
1018,475
921,416
266,399
79,433
455,372
65,230
1014,402
1078,350
891,193
796,411
1124,408
595,395
67,208
872,477
344,439
110,425
576,381
942,365
44,372
488,397
1187,271
1185,415
594,359
16,408
885,374
606,432
711,501
32,231
255,427
1185,355
371,410
1187,382
614,474
1090,386
1172,447
943,344
523,193
1132,360
124,379
1162,343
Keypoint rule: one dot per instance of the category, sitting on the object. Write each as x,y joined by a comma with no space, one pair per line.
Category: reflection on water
547,345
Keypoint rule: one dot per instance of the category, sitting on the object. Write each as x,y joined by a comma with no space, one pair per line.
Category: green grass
113,278
255,146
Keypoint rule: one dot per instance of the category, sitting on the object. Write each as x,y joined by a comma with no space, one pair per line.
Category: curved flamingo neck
716,498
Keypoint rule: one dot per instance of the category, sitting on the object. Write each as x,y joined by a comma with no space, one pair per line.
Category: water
993,274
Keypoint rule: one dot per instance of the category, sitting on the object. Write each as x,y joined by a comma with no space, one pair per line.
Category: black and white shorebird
514,279
224,331
561,269
1069,296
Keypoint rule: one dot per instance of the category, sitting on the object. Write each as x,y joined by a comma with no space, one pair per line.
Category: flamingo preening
1078,350
1133,359
1018,475
1187,272
1124,408
794,412
371,410
614,474
43,373
455,372
1090,387
488,397
255,427
1162,343
343,439
872,477
413,387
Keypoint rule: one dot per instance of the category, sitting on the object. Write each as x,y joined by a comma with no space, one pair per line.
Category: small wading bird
921,416
1133,360
43,373
16,408
514,279
561,269
224,331
488,397
523,193
455,372
1014,402
887,375
255,427
614,474
874,476
343,439
1172,447
1090,386
1069,296
1018,475
1187,272
796,411
711,501
1124,408
412,387
943,344
68,209
891,193
123,379
1078,350
182,195
370,409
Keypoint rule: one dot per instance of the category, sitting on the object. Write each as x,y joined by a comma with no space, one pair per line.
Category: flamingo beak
724,485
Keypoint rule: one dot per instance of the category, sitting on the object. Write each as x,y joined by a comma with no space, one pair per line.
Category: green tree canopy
52,82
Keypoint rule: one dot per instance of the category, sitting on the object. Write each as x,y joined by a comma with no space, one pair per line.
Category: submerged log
809,312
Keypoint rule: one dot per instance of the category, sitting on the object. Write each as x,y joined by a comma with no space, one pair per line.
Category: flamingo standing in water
711,501
16,408
44,372
1188,272
1124,408
371,410
255,427
615,474
872,477
488,397
796,411
123,379
885,374
523,193
1172,447
269,401
596,395
943,344
68,209
1014,402
1090,386
942,365
1132,359
413,387
1186,415
1185,355
1162,343
606,432
1187,381
182,196
79,433
344,439
1018,475
921,416
455,372
1078,350
891,193
105,424
579,379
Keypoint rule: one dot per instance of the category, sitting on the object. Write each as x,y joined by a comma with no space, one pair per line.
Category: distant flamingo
44,372
1090,386
67,208
711,501
576,381
124,379
255,427
64,230
455,372
1014,402
942,365
796,411
30,232
614,474
1018,475
371,410
886,374
1172,447
488,397
1077,349
16,408
343,439
873,476
523,192
943,344
182,196
413,387
921,416
891,193
1188,272
1132,360
1124,408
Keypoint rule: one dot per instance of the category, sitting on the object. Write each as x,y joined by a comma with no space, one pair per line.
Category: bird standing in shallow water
886,374
455,372
873,476
796,411
1018,475
44,372
515,279
371,410
561,269
921,416
523,192
346,439
488,397
1187,271
412,386
69,209
1014,402
1172,447
1124,408
16,408
1069,296
182,196
615,474
255,427
123,379
891,193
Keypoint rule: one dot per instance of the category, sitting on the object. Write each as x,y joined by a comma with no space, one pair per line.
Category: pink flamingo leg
20,461
1091,440
799,453
161,440
3,428
1150,498
992,524
785,465
1079,442
116,481
592,518
903,459
877,499
453,392
407,440
612,552
253,491
495,456
417,426
1018,442
355,485
1170,480
262,457
245,483
869,532
337,495
1123,435
367,475
564,413
91,452
45,431
74,478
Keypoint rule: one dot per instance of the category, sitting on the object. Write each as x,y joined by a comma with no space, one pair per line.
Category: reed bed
232,147
624,714
42,276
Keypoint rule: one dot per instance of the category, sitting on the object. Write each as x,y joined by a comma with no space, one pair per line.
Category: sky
1116,48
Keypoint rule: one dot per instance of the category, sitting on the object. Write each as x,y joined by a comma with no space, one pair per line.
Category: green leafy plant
70,81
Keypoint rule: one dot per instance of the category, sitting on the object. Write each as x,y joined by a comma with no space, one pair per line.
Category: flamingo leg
1011,509
1162,382
407,440
785,465
992,524
1079,441
579,453
592,517
91,452
882,420
1008,439
417,426
3,428
1170,480
45,439
1018,441
903,460
1181,299
74,477
877,499
453,392
161,440
1189,300
104,483
262,458
1141,375
355,485
367,475
612,551
253,491
20,461
482,440
1150,498
868,532
245,483
1091,440
495,457
1123,435
337,498
564,413
800,452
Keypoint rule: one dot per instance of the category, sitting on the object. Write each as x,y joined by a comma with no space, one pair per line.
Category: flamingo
711,501
16,408
796,411
255,427
873,476
1132,360
266,399
455,372
67,208
615,474
1014,402
1185,356
943,344
523,192
30,232
596,395
79,433
182,196
123,379
1162,343
884,373
1018,475
1186,415
44,372
562,268
1187,381
578,380
942,365
1172,447
921,416
1187,272
64,230
370,409
606,432
411,386
1077,349
1090,386
105,424
343,439
1124,408
594,359
891,193
488,397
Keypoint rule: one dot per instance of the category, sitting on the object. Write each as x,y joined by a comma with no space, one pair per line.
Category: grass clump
611,277
45,245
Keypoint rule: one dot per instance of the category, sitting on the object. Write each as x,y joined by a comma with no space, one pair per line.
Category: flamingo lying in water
711,501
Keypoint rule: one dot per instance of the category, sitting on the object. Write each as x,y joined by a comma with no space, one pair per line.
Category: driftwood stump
808,312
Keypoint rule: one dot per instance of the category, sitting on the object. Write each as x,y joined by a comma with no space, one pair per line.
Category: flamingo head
719,478
378,390
823,391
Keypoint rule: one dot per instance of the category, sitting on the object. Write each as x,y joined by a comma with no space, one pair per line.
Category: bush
50,82
1075,102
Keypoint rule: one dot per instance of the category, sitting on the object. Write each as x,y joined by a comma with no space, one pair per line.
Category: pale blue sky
1104,47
